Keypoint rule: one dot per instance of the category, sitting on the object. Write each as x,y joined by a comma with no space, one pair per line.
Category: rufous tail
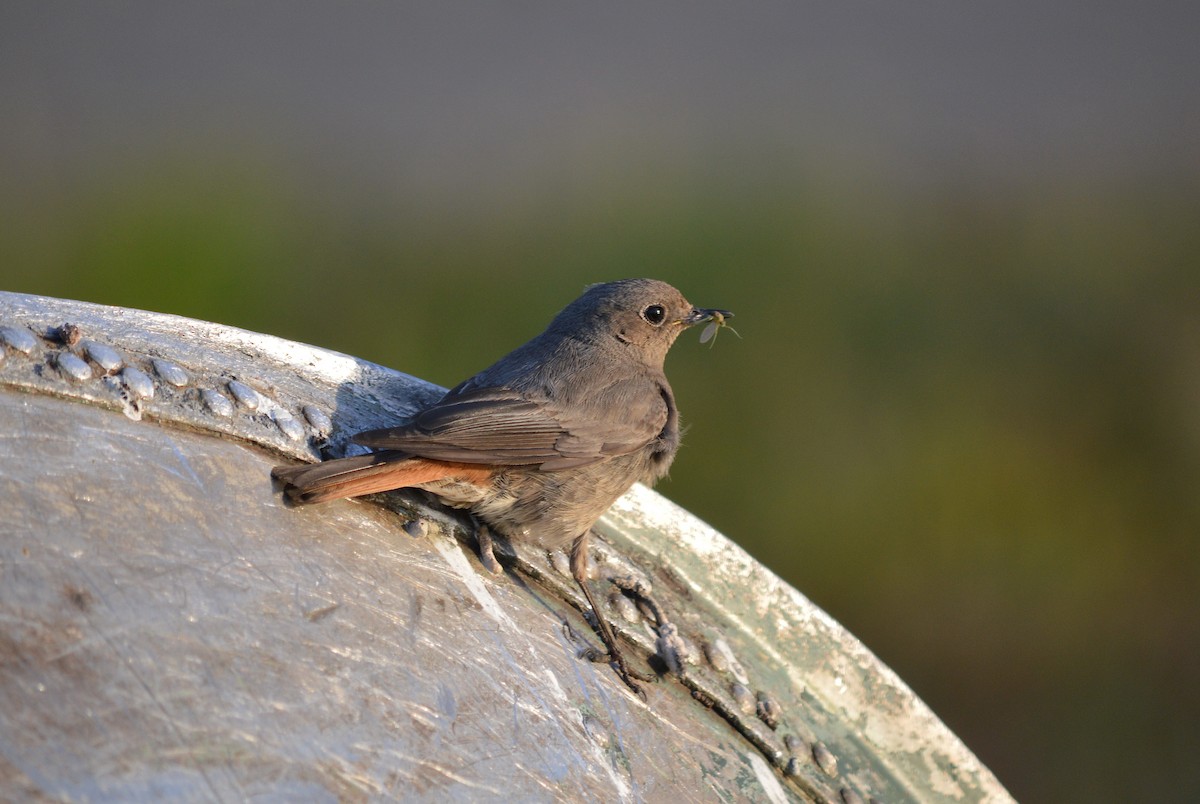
368,474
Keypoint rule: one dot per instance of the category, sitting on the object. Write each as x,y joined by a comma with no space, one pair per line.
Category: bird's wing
498,425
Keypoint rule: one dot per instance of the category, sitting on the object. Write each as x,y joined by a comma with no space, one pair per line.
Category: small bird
539,445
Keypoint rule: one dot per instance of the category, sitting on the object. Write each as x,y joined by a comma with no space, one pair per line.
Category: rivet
625,608
169,372
768,710
793,767
744,697
73,366
217,403
20,339
850,797
138,382
287,424
825,760
318,419
68,334
104,356
246,396
716,658
721,657
793,744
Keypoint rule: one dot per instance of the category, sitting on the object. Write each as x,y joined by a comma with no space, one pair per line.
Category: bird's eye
654,314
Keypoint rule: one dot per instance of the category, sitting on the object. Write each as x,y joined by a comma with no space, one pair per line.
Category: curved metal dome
169,628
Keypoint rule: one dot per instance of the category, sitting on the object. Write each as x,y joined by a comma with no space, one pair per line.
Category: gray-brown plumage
541,443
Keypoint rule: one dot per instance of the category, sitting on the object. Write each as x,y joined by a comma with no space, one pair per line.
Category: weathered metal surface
169,628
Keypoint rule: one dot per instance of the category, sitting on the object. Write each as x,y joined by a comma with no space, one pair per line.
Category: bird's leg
579,555
486,556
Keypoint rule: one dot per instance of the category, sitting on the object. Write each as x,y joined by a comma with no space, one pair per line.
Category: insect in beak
716,320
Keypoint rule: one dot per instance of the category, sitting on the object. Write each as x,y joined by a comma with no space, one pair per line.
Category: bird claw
486,555
611,657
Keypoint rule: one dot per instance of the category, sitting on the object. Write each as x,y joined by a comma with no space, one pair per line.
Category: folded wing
501,426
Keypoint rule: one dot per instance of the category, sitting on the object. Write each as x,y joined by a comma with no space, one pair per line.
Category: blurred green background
962,245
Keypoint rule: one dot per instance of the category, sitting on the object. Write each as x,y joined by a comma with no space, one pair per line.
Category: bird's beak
699,315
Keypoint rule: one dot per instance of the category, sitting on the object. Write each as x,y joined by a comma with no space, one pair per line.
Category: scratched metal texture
170,629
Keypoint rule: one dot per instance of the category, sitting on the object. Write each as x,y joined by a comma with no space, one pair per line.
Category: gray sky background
452,98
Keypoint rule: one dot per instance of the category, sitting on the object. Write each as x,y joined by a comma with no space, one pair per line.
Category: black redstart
541,443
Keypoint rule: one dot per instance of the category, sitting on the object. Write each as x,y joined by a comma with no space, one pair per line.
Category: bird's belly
550,509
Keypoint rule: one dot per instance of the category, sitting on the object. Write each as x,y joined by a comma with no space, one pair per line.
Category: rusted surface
168,628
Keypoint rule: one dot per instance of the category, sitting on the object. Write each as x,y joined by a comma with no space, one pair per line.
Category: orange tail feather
369,474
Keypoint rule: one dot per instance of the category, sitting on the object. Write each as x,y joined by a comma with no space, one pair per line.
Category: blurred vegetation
966,424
